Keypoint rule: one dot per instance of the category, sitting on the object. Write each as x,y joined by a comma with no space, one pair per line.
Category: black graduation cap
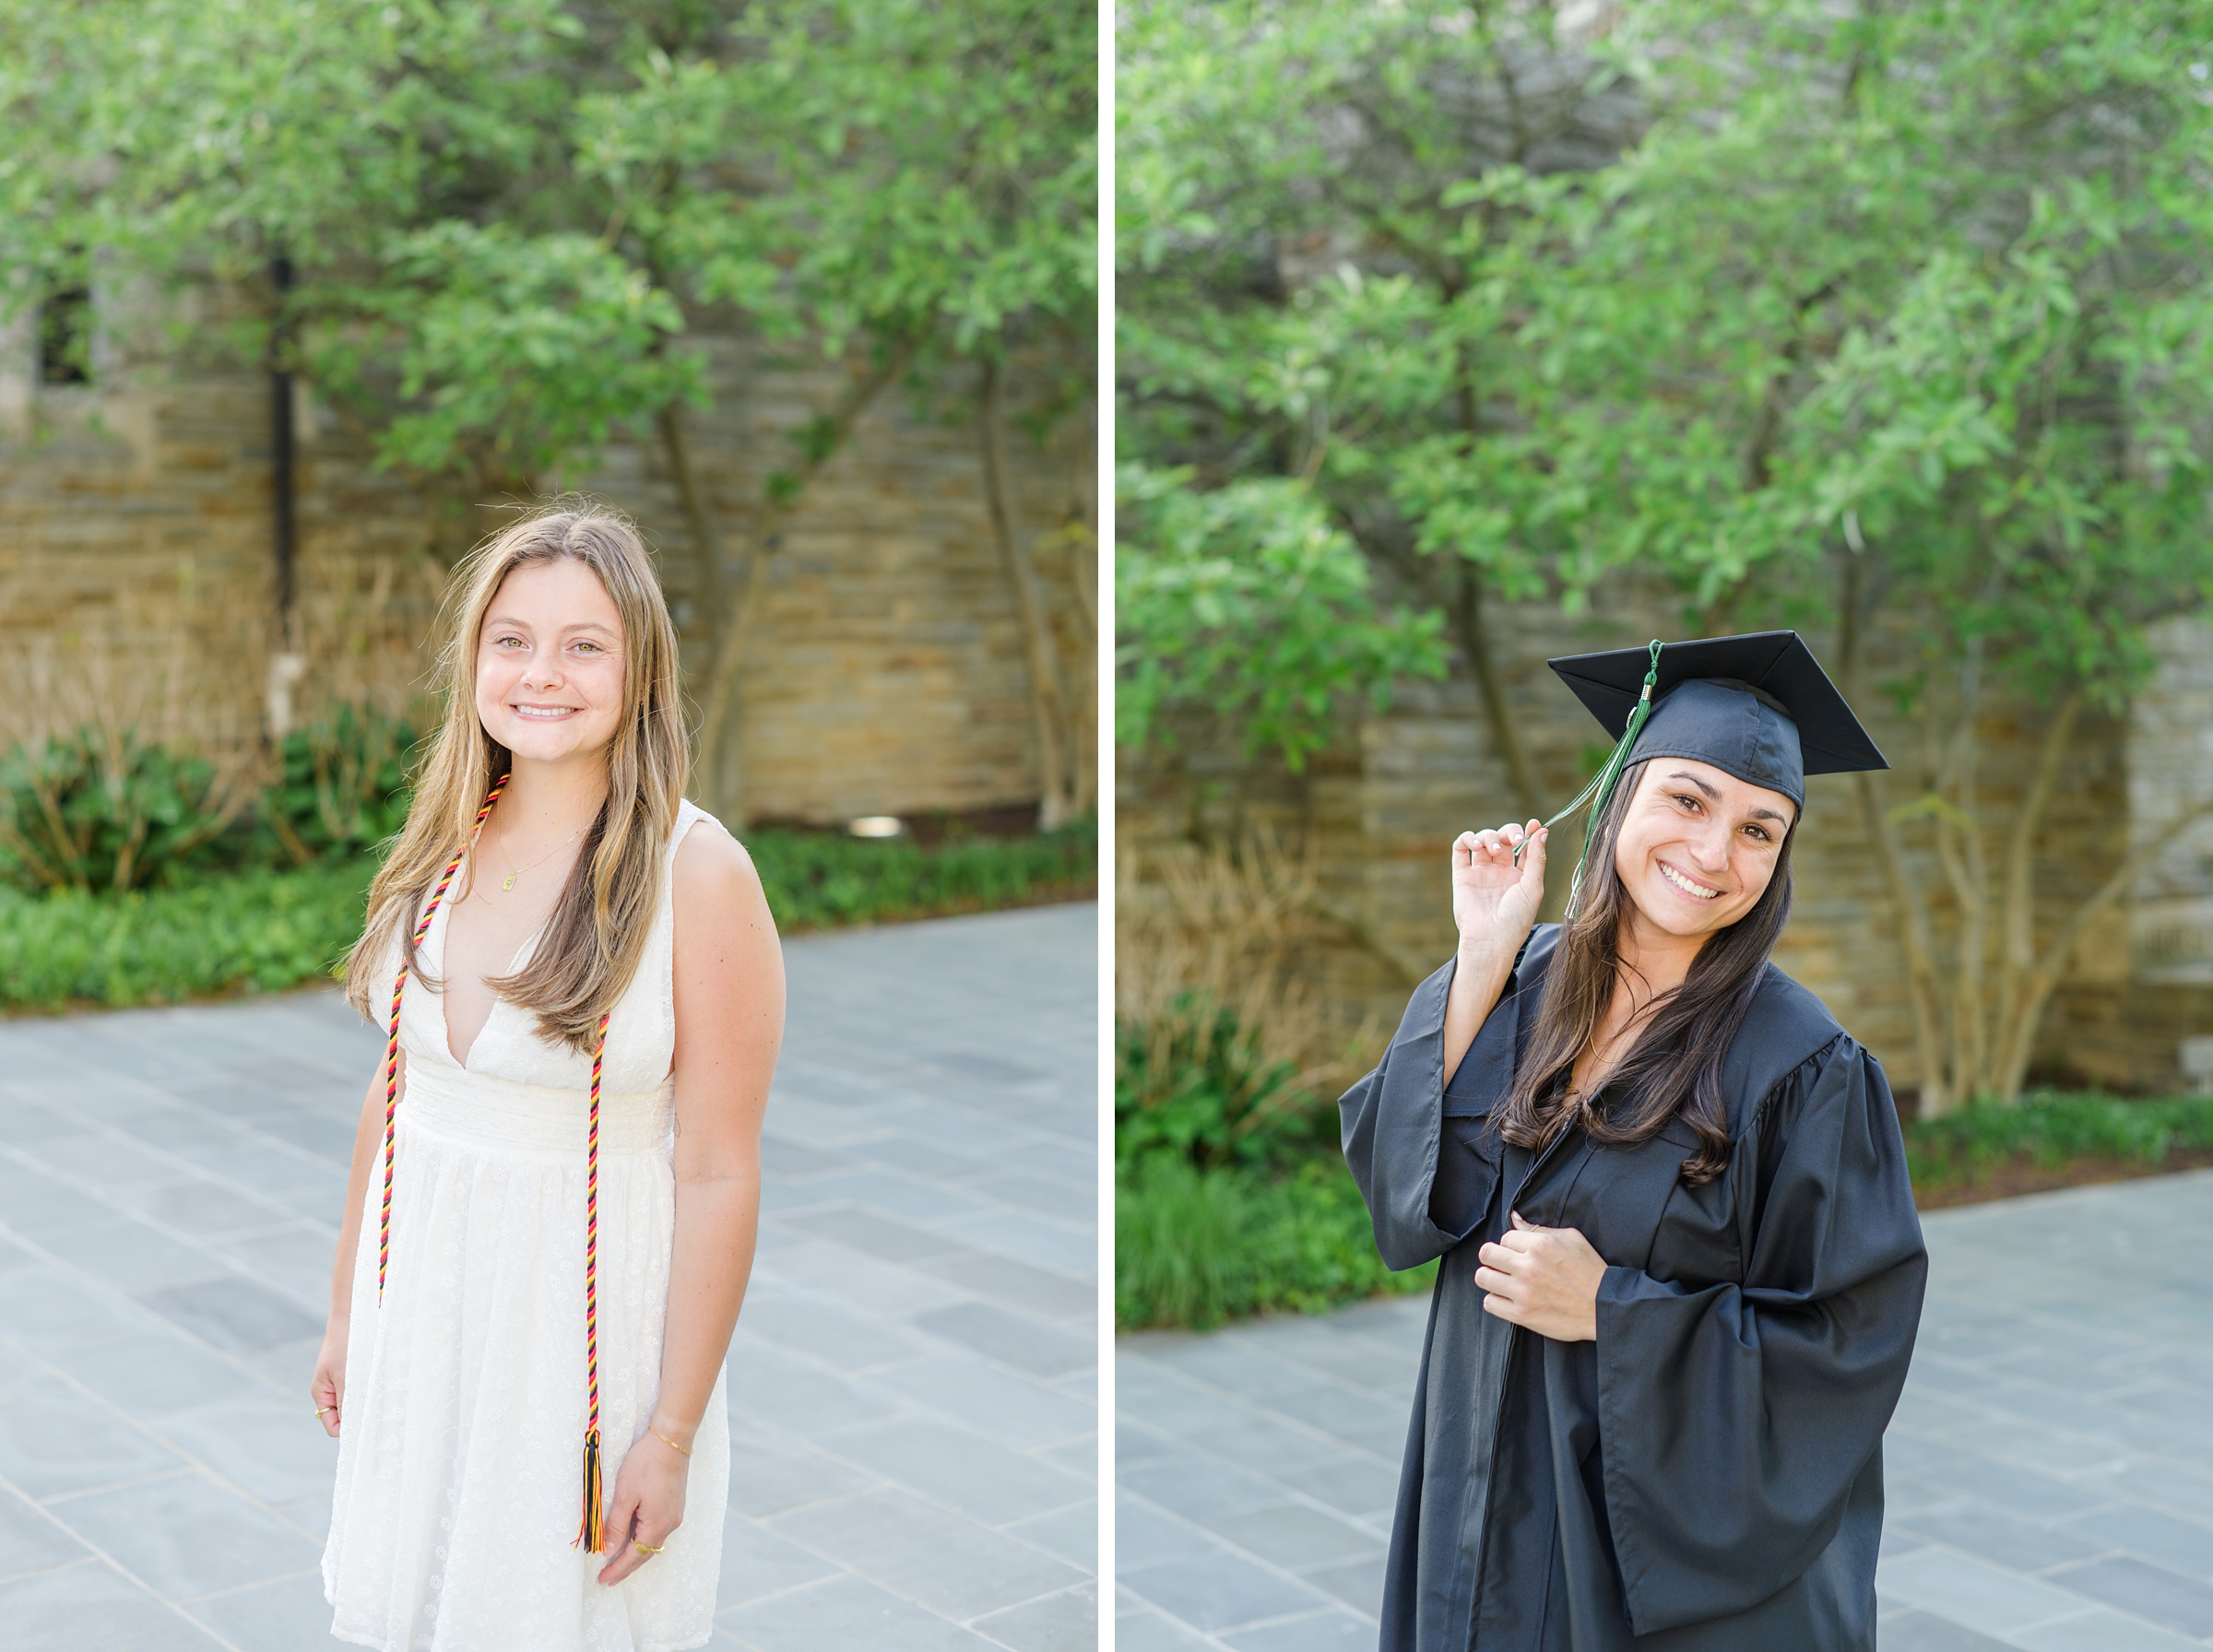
1758,707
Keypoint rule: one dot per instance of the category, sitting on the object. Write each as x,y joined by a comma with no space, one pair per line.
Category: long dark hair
1674,1065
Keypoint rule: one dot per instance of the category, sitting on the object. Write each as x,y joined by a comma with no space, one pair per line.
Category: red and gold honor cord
400,988
590,1530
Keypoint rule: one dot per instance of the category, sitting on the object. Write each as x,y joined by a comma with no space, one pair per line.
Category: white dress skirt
461,1449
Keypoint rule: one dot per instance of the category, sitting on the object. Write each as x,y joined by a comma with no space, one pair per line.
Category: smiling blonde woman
556,1181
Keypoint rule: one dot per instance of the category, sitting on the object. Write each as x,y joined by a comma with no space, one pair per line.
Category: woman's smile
543,714
1686,885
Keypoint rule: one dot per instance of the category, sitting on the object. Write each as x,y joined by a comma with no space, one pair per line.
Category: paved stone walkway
912,1407
2051,1466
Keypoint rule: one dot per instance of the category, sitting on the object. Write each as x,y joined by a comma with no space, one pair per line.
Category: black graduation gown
1708,1473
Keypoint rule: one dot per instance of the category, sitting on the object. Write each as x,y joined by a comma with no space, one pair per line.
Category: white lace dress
460,1455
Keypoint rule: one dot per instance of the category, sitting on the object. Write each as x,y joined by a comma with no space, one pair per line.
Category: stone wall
1378,808
885,672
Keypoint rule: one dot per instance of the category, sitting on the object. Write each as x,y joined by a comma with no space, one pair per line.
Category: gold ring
647,1548
321,1408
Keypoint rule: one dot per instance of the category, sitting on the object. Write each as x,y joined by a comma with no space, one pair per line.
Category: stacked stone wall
885,672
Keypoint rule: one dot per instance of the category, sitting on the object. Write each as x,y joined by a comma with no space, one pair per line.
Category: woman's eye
1687,800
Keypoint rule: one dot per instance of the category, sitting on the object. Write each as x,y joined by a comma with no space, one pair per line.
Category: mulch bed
2016,1176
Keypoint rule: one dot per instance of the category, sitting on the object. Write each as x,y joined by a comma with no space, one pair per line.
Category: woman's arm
1735,1421
329,1384
730,1022
1494,903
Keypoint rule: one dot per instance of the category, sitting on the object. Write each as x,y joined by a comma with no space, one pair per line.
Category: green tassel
1602,784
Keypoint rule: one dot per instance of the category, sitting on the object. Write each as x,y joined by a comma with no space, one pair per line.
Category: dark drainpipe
281,451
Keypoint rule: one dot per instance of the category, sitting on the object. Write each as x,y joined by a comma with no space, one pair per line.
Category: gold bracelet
657,1433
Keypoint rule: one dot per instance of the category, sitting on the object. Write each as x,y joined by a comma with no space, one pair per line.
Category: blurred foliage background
484,234
1835,316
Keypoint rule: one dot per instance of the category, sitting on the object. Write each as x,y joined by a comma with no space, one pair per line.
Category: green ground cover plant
1193,1248
1231,1197
824,880
1977,1146
263,928
239,932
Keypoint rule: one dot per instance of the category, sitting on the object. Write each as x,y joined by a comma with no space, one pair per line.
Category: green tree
1322,294
1895,318
499,224
1930,356
908,184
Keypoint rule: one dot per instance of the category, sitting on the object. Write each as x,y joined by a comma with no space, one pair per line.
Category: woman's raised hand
1493,901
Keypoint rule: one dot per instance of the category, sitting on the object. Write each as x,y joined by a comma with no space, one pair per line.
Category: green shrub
341,784
1195,1247
104,810
821,879
253,930
1193,1085
263,928
2049,1130
1231,1195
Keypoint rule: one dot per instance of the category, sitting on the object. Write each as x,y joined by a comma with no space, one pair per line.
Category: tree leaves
1249,599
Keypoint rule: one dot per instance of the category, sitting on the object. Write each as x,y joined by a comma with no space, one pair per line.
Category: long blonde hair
597,934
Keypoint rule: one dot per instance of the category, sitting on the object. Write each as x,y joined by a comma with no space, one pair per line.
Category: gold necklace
514,871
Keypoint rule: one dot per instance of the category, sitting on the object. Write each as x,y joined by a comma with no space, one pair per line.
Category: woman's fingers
1501,1257
623,1560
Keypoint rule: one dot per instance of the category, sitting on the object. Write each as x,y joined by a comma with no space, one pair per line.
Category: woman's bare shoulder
713,875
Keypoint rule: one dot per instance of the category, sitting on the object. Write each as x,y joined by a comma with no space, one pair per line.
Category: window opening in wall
65,337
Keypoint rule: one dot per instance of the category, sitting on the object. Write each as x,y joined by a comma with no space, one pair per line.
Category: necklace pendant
510,883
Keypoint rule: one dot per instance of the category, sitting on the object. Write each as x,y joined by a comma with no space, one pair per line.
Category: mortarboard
1757,707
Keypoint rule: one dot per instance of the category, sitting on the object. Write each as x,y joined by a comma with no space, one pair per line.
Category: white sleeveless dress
460,1457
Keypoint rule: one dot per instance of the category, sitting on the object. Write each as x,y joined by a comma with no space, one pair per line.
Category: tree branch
2045,978
1048,701
767,538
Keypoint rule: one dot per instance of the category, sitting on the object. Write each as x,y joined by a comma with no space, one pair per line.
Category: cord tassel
1602,784
590,1530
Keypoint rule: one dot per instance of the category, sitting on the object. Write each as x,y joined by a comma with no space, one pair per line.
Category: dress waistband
490,1112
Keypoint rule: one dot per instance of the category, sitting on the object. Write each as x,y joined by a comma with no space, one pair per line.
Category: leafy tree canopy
1734,295
503,218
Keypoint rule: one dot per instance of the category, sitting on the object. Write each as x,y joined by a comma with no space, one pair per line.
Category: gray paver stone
2168,1598
184,1535
1214,1592
1337,1631
952,1566
280,1616
1011,1339
91,1608
1066,1622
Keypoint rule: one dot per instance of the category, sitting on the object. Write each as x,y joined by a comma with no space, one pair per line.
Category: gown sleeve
1733,1420
1416,1146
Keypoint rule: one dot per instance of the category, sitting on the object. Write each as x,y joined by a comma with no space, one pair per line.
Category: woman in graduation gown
1682,1268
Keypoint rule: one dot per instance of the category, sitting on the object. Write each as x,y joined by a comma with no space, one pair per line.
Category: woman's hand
648,1501
328,1384
1493,901
1544,1279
